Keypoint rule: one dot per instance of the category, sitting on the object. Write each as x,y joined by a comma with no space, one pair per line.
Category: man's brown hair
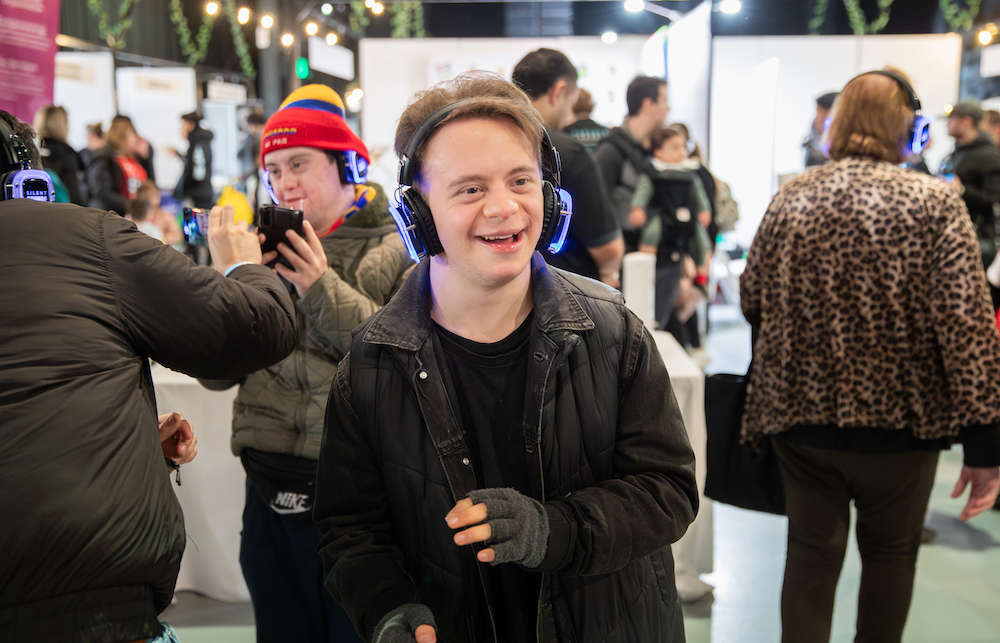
22,131
491,96
872,118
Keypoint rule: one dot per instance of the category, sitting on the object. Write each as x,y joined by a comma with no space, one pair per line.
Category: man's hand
637,217
229,241
426,634
406,624
985,483
177,438
306,256
464,514
517,531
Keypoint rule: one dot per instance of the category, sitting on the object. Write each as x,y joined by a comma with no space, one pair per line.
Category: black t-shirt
594,221
489,382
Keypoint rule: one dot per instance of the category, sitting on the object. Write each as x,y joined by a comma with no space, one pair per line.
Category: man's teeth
497,238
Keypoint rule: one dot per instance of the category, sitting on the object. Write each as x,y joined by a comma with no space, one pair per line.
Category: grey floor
956,597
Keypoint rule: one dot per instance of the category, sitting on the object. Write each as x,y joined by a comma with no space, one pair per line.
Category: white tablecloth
693,552
212,491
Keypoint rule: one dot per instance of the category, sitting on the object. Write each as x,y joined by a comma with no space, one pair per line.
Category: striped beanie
311,116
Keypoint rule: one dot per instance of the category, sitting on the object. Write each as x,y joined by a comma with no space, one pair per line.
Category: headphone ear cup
550,208
421,215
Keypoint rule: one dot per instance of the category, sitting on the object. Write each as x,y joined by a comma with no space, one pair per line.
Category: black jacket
92,533
607,453
977,166
196,183
104,179
621,160
65,162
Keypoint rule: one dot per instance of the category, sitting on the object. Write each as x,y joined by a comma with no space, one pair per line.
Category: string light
378,8
312,28
212,8
267,22
243,15
985,37
331,39
287,39
326,9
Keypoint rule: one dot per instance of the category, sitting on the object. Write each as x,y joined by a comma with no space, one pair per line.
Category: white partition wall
789,73
392,71
155,99
85,86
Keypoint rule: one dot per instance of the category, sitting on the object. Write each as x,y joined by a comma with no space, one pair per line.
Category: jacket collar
405,322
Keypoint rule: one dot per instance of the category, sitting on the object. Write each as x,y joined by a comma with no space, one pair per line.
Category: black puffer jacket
977,166
92,534
196,182
607,452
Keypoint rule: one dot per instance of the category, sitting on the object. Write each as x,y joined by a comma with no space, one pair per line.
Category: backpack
727,211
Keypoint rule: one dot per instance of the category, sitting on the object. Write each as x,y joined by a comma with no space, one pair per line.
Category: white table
212,491
693,552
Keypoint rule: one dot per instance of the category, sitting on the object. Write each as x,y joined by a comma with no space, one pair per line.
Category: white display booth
85,86
763,101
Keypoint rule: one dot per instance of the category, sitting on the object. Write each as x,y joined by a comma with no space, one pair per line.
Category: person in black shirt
594,247
503,458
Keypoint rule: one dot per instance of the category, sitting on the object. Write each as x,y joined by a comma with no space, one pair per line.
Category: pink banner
28,31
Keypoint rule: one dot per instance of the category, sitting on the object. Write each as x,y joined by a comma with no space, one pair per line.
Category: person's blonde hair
490,96
872,117
52,122
117,136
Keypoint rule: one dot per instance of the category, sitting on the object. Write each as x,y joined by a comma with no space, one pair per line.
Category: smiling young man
503,459
346,265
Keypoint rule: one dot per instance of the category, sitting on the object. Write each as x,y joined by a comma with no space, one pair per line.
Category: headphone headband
17,154
907,87
408,165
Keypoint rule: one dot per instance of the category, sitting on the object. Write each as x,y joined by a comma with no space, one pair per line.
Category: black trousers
285,577
890,492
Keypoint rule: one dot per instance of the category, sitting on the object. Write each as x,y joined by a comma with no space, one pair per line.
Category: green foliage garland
195,53
246,62
959,19
407,19
819,16
860,24
115,36
358,19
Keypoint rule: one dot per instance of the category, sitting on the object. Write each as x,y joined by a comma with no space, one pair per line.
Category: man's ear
556,92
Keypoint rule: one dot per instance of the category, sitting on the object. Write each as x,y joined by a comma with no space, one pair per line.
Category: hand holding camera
300,258
229,241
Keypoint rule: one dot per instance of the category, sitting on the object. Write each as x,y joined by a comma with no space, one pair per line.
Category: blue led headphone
920,129
19,180
352,166
416,224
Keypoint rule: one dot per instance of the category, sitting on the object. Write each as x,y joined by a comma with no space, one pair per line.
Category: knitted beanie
311,116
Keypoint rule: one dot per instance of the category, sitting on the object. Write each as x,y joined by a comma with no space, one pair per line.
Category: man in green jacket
344,267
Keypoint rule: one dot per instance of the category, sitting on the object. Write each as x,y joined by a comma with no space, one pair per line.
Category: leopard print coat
870,297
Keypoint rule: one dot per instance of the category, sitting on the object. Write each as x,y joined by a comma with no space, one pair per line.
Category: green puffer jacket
280,409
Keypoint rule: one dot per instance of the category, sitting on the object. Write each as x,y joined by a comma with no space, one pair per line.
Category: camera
195,226
273,221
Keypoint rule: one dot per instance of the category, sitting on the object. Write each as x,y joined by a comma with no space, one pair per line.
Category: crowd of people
447,399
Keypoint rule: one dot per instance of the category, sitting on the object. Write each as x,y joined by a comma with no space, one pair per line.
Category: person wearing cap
345,266
973,169
195,185
815,154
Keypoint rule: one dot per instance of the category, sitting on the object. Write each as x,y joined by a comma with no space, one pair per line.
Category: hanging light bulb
312,28
243,15
326,9
287,39
212,8
267,22
331,39
378,8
